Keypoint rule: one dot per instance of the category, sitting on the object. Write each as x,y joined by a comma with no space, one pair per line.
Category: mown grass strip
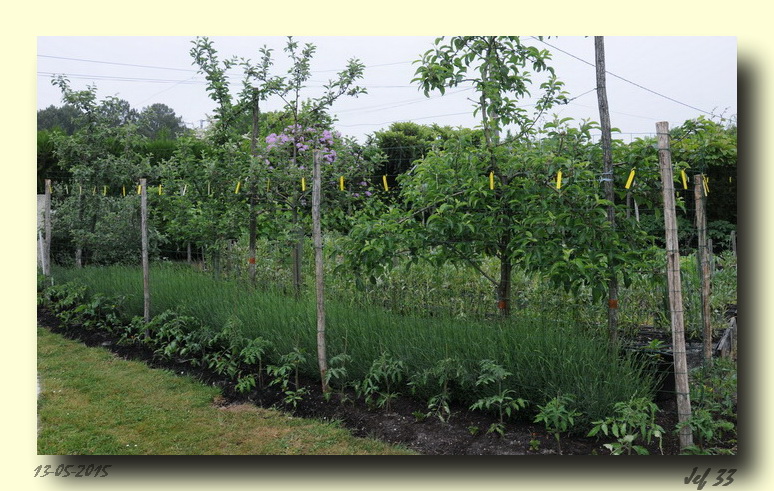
94,403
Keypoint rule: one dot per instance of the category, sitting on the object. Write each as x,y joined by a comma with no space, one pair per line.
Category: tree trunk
298,250
607,160
252,227
504,285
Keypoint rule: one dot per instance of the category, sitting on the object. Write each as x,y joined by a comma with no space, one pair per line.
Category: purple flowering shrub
304,140
337,160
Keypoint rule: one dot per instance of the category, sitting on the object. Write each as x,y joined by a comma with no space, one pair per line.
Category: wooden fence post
702,254
145,262
322,356
674,285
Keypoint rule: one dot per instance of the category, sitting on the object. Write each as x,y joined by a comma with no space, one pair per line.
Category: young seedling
438,379
282,374
252,353
503,400
379,384
534,444
557,417
635,419
337,370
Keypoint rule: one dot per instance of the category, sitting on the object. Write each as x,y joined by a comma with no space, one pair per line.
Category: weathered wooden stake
322,357
733,241
704,270
47,227
144,237
674,285
252,212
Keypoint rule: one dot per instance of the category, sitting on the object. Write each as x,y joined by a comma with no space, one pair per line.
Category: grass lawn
94,403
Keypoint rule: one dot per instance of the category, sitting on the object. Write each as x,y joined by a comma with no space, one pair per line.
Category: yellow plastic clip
123,190
631,178
236,191
384,181
303,184
491,180
559,180
341,183
685,179
139,188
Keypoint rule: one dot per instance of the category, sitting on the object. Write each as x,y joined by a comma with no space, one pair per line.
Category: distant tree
63,118
160,121
117,112
404,143
48,162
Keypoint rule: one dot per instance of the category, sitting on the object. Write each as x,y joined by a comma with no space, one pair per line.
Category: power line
156,67
117,63
121,79
621,78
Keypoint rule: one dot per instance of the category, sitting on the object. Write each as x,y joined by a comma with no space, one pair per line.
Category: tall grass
545,356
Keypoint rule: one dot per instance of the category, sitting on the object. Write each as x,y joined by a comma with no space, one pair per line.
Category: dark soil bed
464,434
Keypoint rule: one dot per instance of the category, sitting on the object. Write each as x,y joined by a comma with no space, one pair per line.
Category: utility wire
621,78
116,63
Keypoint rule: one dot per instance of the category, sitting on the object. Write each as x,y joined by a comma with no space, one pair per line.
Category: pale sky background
666,78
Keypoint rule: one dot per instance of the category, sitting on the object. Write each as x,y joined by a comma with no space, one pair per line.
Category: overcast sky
650,79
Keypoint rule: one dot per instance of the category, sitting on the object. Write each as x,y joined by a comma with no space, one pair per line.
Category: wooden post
733,241
144,238
607,163
322,357
674,285
252,213
79,239
704,271
47,227
636,211
710,254
298,250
